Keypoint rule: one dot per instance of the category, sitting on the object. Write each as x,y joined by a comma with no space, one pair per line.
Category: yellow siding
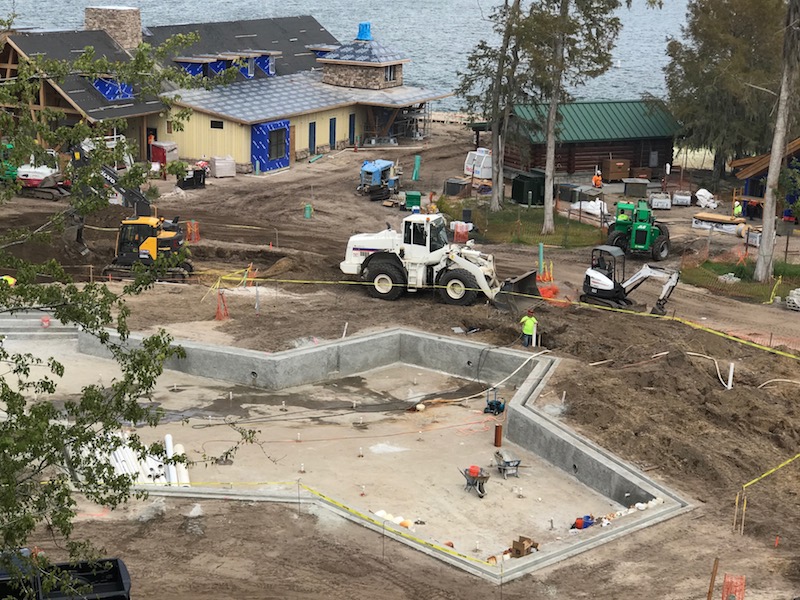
322,119
198,139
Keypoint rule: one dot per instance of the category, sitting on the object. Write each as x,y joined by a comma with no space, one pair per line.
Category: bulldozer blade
513,292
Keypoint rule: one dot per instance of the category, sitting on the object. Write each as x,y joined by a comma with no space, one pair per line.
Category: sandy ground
668,414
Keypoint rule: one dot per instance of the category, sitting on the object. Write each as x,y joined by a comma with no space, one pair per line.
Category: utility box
479,163
164,152
616,170
635,188
413,199
568,192
641,172
528,188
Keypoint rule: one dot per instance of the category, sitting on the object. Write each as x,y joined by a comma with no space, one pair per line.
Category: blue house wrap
260,146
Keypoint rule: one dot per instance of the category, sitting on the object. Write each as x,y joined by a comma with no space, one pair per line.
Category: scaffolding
409,122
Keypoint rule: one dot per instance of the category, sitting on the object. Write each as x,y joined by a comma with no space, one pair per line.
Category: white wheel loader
421,257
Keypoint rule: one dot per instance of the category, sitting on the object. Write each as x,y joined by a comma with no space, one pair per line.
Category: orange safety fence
192,231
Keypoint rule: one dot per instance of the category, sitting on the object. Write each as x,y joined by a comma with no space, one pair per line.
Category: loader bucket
517,292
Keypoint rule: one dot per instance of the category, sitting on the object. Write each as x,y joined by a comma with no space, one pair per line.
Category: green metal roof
602,121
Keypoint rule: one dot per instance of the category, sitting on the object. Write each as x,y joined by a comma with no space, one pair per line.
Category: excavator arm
669,277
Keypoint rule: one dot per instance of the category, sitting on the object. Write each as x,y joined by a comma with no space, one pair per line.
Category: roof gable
288,35
602,121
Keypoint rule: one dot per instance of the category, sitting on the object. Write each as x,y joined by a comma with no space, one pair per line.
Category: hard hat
736,203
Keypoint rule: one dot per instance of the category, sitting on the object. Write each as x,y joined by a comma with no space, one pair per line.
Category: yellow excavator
143,238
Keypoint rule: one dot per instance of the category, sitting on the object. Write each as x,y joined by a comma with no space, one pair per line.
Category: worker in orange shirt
597,180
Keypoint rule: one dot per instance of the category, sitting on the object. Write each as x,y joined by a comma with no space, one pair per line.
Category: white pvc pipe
180,468
730,377
171,473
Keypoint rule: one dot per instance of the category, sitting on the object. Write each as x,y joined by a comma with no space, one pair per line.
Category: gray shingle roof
280,97
369,52
288,35
65,45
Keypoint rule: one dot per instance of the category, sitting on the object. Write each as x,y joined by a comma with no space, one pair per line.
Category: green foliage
52,449
707,276
724,75
517,224
177,168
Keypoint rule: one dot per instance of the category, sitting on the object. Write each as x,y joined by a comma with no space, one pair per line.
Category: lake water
436,34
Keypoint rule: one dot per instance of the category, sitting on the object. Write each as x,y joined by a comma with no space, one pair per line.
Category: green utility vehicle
636,230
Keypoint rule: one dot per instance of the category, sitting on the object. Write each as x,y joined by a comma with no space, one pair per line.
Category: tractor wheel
660,249
458,287
618,239
387,280
663,229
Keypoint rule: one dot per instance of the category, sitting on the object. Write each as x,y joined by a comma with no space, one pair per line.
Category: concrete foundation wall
307,365
463,358
575,455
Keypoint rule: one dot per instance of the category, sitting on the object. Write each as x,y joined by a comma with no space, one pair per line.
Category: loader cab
424,238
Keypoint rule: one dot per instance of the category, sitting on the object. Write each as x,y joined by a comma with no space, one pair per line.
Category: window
277,144
169,126
390,73
216,124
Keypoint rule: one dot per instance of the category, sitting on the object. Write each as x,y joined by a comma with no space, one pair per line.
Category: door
352,129
312,137
152,136
332,133
291,144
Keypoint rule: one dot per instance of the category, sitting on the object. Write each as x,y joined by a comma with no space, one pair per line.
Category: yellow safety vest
9,280
528,323
737,211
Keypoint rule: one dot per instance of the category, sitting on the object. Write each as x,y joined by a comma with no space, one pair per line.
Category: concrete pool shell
564,474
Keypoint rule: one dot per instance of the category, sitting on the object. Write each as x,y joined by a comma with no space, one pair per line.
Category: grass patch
707,276
517,224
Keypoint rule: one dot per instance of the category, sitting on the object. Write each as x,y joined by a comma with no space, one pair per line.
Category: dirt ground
669,414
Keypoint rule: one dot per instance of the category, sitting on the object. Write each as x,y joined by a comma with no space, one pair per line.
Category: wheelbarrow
476,480
507,463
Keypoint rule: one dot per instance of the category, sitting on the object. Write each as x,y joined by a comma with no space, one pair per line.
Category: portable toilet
479,163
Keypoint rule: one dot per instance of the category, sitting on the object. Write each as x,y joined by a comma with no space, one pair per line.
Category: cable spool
742,229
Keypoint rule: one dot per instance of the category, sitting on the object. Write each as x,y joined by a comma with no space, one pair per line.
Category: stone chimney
122,23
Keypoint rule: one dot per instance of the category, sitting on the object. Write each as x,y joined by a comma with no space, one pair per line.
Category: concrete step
39,335
29,325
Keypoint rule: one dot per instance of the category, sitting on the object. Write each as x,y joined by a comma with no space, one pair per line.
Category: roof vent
364,33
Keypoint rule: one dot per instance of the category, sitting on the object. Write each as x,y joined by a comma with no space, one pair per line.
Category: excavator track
116,272
53,194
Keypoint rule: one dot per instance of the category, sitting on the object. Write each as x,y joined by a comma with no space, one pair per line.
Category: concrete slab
349,443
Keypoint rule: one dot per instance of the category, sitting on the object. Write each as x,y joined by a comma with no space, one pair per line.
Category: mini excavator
605,283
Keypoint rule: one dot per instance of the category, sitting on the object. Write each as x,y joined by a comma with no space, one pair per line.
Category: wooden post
713,578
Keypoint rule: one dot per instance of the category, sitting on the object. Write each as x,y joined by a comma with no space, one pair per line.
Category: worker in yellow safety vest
8,280
528,328
737,209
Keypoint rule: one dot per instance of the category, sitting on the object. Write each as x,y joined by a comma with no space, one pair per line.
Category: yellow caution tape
771,471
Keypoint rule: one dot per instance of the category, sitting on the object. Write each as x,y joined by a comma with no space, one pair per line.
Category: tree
721,76
545,47
789,66
49,454
487,87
